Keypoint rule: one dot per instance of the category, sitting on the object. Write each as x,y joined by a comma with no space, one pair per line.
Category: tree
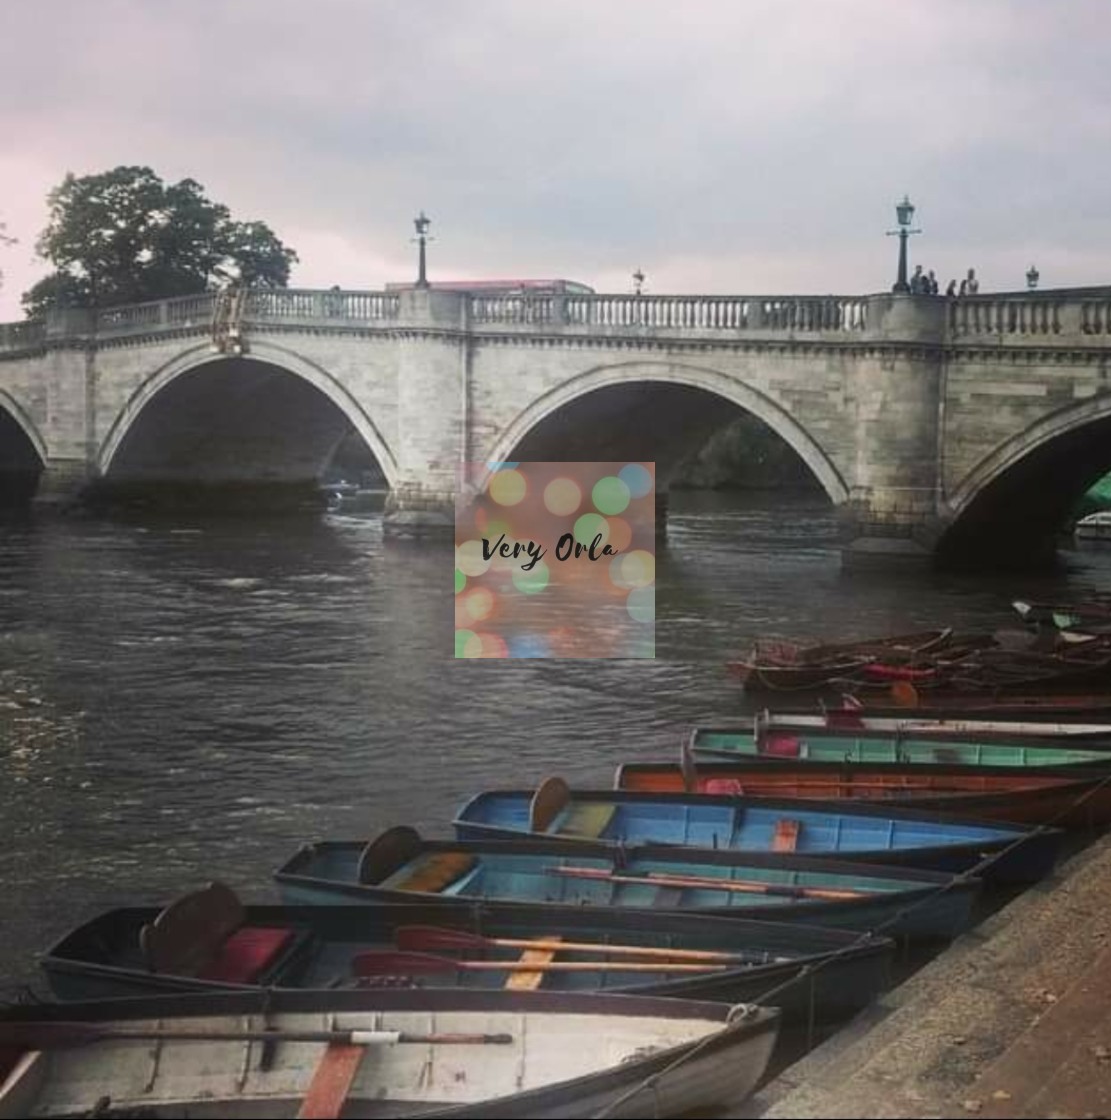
124,236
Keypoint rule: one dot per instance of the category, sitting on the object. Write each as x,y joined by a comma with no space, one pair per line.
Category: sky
720,146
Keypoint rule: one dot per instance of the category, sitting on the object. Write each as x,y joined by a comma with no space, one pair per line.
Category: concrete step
1061,1064
927,1047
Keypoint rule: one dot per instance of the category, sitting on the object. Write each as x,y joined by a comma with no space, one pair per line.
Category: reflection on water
182,700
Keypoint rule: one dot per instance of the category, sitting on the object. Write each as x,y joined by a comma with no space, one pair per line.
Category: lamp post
638,282
422,223
1032,277
904,214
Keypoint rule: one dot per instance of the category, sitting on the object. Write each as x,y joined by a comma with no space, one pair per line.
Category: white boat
1094,527
395,1053
847,719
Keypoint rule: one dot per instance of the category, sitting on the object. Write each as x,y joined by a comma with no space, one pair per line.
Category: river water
185,699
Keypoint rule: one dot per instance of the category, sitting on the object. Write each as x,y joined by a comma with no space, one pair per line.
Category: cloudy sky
748,146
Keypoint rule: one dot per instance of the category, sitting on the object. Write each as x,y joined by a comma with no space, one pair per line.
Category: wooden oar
437,937
662,879
57,1035
380,962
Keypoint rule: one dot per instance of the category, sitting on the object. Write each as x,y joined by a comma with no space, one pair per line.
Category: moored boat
1053,708
432,1053
1030,796
399,865
733,822
769,676
831,744
207,939
956,727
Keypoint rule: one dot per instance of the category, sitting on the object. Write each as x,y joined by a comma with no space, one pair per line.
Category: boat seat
786,836
435,872
523,980
668,898
247,954
202,934
549,800
722,786
782,746
586,819
331,1083
388,852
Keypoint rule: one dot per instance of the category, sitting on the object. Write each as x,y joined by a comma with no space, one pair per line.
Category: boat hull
843,973
892,900
1026,796
871,833
674,1056
854,746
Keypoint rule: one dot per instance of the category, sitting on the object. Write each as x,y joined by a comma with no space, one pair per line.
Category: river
184,699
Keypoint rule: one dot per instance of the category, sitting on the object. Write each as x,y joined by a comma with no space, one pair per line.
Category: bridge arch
673,373
15,410
260,351
1010,508
998,462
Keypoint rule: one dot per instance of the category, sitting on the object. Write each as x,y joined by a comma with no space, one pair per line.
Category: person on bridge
931,283
970,285
918,282
951,291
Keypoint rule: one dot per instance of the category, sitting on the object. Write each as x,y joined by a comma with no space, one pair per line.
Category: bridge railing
131,317
263,304
332,305
1024,318
1005,315
726,313
1085,311
22,336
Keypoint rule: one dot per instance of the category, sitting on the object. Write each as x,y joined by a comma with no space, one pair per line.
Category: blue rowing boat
870,833
401,866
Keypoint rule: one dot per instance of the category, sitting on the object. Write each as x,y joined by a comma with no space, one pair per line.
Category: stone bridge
938,428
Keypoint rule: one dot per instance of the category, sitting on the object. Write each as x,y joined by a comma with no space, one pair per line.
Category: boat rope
808,970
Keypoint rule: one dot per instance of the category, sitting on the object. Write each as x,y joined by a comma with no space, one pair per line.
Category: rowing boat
426,1053
1060,796
727,821
207,939
399,866
830,744
1080,732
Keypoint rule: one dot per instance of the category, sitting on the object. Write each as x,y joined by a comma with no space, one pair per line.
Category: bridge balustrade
1095,316
512,309
22,336
1023,315
131,317
731,313
326,306
188,311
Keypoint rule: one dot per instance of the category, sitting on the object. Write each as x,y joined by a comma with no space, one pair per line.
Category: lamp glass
904,211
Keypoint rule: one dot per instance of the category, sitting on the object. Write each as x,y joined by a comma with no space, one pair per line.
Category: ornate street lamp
638,281
904,214
422,223
1032,277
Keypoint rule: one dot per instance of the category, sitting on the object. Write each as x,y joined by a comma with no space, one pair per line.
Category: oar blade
384,962
433,938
